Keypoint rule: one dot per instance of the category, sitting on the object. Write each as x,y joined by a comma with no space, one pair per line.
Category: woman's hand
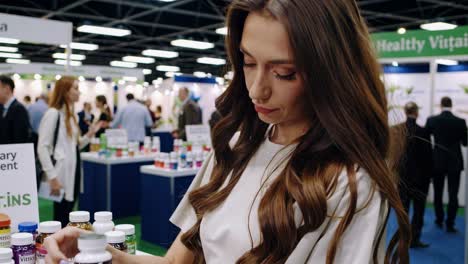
62,245
55,187
93,129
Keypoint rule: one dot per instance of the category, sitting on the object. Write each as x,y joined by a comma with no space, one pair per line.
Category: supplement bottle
116,239
5,231
28,227
130,238
92,250
24,250
189,160
103,222
80,219
173,161
6,256
45,229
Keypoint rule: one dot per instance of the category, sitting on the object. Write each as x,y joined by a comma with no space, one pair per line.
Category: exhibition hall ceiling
154,24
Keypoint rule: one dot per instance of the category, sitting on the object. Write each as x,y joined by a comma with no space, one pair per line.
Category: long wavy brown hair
59,100
348,112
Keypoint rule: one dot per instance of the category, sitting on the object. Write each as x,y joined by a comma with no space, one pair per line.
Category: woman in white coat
60,160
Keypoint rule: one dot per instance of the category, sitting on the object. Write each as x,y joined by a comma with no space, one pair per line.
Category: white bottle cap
6,254
22,239
127,229
49,227
115,237
79,217
103,216
91,242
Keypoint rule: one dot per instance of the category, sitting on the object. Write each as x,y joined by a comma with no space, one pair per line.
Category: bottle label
105,262
131,248
41,253
27,259
5,238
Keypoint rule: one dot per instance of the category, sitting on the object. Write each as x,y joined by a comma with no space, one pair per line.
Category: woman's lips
264,110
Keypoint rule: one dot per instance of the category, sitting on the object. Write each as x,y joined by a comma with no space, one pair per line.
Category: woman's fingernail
65,262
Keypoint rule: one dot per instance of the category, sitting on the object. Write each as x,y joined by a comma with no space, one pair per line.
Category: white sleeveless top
224,232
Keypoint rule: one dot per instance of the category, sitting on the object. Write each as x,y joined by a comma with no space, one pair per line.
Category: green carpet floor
46,211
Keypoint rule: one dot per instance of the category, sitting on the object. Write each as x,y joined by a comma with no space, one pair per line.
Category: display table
112,184
161,192
165,137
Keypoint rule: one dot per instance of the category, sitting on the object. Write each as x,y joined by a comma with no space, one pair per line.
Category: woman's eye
287,77
246,64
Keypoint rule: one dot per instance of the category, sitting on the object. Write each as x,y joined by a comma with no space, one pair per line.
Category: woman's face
74,93
273,83
98,104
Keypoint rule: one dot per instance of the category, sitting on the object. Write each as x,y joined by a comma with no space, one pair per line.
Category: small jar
174,161
5,231
28,227
92,250
24,250
45,229
116,239
189,160
6,256
130,238
103,222
80,219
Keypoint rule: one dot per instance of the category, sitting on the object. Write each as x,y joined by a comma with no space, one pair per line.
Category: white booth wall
33,88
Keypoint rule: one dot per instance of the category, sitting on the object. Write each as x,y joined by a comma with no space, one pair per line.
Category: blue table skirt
124,187
166,139
159,198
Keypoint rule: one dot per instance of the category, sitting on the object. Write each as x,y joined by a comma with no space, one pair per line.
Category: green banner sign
422,43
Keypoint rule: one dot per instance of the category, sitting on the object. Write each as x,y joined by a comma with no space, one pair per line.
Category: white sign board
86,71
116,137
198,133
18,193
35,30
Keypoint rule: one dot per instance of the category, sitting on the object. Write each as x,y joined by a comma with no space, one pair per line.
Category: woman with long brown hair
59,143
105,117
301,170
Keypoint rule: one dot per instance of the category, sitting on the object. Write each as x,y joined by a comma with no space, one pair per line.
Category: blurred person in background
27,101
105,116
190,113
59,146
85,118
158,113
148,104
134,118
36,112
415,171
449,133
14,119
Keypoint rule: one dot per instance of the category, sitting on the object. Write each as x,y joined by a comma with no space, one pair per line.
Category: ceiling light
81,46
167,1
212,61
108,31
438,26
16,76
18,61
138,59
63,56
199,74
395,64
37,76
8,49
160,53
172,74
58,76
130,78
447,62
9,41
10,55
81,79
147,71
192,44
401,30
64,62
98,79
222,31
167,68
145,84
123,64
121,82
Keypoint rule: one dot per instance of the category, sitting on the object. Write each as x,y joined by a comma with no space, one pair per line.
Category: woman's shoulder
51,113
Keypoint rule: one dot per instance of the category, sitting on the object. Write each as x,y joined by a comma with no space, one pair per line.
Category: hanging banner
18,193
421,43
44,30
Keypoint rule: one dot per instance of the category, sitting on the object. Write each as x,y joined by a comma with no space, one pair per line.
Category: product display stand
166,139
112,184
161,192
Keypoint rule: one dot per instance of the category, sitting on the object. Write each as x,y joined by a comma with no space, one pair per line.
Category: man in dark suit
449,133
190,113
14,118
415,171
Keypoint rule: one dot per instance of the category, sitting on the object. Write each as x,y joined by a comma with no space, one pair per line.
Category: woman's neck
285,134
